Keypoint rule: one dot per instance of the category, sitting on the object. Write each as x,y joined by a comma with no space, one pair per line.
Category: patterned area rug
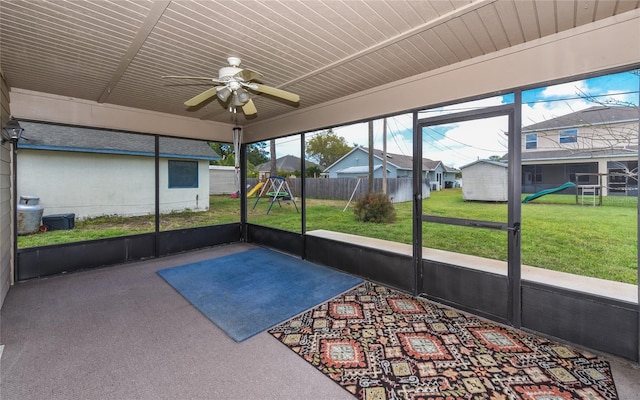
379,343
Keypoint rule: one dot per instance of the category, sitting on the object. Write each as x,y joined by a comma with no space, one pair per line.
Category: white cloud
543,111
569,89
468,141
289,145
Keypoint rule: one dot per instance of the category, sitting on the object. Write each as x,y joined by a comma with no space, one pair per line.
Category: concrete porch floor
123,333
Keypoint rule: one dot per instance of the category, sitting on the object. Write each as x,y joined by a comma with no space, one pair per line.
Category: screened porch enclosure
505,277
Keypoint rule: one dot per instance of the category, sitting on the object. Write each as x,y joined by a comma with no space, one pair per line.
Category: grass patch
557,234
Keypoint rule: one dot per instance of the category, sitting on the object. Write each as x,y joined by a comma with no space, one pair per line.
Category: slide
255,189
548,191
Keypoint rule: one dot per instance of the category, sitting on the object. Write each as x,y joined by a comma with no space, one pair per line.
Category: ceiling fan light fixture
224,93
240,97
234,88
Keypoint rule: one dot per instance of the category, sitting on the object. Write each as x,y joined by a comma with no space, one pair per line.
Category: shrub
375,207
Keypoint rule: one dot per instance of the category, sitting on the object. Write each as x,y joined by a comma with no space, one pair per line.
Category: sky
462,143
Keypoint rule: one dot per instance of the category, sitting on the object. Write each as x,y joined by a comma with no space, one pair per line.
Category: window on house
569,136
531,141
183,174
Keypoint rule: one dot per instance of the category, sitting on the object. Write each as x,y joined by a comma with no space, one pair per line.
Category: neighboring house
583,147
485,180
356,164
94,172
288,163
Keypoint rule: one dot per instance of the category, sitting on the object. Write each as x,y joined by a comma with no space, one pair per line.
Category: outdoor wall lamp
11,131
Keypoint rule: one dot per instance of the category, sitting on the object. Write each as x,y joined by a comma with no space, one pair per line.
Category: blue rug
252,291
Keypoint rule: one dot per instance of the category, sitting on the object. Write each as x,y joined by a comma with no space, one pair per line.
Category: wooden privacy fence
399,189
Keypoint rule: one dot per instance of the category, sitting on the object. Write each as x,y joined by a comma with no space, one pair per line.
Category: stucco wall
91,185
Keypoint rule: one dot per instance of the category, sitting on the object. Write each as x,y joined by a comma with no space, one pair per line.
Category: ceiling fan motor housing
227,73
234,61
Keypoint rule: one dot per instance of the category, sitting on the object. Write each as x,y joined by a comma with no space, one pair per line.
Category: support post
514,258
370,156
417,205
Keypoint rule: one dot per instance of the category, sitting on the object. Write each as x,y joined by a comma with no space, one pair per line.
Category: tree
256,153
223,150
313,172
326,147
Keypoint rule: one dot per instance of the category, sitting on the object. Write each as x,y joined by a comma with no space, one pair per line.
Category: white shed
485,180
223,180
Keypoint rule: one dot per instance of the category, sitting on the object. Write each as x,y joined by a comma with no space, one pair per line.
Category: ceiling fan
234,86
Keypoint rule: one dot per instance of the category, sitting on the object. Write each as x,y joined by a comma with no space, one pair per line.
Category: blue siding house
355,164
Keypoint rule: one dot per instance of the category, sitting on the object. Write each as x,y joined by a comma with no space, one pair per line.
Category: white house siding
91,185
179,199
222,180
6,211
485,182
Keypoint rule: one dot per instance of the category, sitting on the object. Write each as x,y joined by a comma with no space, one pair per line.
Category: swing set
277,188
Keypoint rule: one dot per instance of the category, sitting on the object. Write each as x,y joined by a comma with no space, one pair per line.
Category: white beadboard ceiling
115,51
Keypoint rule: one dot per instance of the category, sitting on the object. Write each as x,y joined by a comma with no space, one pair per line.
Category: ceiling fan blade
283,94
194,77
249,108
194,101
248,75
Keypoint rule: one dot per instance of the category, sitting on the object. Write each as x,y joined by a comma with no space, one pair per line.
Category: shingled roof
402,161
286,163
591,116
43,136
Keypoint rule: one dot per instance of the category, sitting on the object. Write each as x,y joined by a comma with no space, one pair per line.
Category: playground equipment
593,193
352,194
277,188
254,190
548,191
589,190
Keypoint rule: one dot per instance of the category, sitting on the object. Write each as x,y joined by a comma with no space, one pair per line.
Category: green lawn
556,234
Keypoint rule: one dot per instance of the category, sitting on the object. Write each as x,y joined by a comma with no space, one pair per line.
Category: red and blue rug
378,343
